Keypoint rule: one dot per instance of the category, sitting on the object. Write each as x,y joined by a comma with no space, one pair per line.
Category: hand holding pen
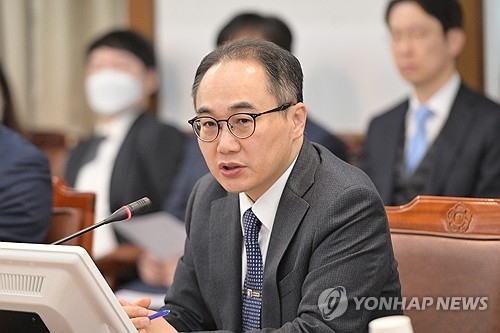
143,319
159,314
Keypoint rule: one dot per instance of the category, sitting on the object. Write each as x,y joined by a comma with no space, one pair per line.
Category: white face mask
112,91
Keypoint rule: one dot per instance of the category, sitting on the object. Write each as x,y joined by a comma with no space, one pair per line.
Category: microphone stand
81,232
124,213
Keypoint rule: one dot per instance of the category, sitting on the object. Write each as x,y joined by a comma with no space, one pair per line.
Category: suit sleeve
189,312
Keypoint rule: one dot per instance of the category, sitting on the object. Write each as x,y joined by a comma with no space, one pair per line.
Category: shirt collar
266,206
441,102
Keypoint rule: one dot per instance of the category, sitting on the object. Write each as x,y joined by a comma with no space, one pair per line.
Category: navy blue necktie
252,292
418,144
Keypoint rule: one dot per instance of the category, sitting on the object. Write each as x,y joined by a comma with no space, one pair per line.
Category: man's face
253,164
423,53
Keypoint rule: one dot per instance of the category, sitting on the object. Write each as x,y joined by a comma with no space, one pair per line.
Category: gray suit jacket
330,230
467,158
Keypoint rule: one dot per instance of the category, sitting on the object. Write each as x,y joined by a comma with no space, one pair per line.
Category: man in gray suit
460,155
323,237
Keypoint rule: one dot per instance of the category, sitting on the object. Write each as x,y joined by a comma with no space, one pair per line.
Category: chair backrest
71,211
448,251
54,145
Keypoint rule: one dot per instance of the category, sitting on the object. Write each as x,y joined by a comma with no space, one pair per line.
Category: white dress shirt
440,104
95,176
265,209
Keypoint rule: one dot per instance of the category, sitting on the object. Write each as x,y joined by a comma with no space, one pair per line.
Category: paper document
160,233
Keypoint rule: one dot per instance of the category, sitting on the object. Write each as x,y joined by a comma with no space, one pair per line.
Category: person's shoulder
17,150
12,142
477,100
151,121
153,130
316,133
391,111
335,180
333,170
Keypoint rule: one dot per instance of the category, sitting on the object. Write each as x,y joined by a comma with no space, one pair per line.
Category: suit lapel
291,211
225,237
450,140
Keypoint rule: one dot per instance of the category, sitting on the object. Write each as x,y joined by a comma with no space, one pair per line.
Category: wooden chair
71,211
54,145
448,251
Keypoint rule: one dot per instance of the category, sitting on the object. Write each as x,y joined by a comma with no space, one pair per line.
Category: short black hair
272,28
282,68
127,40
447,12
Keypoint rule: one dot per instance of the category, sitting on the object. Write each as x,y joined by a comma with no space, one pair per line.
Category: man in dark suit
455,150
25,190
131,154
25,182
281,234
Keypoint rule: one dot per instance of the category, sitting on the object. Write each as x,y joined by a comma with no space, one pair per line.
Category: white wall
491,16
344,51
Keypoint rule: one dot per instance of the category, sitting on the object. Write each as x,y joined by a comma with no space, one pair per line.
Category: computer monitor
55,288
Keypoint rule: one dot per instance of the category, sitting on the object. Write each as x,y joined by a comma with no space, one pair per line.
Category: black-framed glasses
241,125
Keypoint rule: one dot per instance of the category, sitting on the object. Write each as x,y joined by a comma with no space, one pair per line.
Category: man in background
444,139
130,154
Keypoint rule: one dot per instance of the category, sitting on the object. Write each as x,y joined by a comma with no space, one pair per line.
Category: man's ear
299,116
456,39
151,82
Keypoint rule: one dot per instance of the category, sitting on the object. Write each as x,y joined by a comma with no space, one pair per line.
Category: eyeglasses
241,125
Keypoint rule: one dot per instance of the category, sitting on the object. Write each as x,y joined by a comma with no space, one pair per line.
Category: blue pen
159,314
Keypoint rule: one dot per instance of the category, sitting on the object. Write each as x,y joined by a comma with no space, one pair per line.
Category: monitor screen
55,288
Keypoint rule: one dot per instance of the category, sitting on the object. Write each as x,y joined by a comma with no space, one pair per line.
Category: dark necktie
418,144
252,292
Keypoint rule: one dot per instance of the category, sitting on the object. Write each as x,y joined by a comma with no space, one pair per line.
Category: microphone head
140,206
126,212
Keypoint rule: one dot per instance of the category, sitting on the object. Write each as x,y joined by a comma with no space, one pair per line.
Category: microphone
124,213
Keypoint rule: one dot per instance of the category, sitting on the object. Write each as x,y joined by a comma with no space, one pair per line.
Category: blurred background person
25,179
131,154
444,139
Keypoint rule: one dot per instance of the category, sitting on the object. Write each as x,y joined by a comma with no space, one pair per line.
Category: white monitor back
62,285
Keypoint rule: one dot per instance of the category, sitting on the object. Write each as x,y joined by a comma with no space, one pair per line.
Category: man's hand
156,272
138,313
